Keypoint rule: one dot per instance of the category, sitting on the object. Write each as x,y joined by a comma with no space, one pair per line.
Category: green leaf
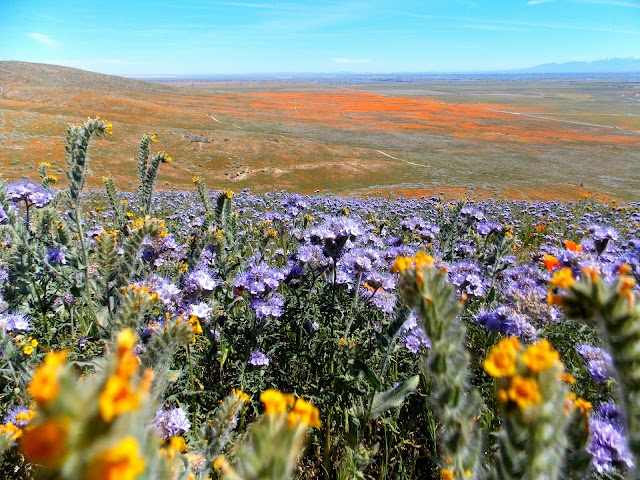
371,377
383,401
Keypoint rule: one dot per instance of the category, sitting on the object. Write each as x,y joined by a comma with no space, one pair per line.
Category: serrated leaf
383,401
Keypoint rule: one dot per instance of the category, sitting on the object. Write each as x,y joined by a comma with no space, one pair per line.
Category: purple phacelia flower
258,359
14,321
259,279
271,307
19,416
414,338
57,256
171,423
29,192
608,446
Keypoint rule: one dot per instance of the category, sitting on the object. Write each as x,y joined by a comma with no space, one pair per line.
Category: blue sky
207,36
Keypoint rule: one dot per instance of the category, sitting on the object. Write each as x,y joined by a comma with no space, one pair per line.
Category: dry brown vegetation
522,141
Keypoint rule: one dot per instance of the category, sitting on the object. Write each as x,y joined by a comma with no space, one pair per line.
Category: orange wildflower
572,246
524,391
563,278
116,398
121,462
550,262
45,443
45,385
540,356
501,361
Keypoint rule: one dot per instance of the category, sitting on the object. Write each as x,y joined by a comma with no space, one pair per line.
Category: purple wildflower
258,359
271,307
14,321
29,192
259,279
19,416
200,310
199,281
608,445
414,338
171,423
486,228
57,256
599,362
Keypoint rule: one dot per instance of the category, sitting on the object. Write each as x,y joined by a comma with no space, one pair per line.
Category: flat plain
538,138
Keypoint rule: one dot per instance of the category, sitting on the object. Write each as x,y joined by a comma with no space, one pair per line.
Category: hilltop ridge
56,76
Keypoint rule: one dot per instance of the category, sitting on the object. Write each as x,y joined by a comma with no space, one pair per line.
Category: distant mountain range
604,65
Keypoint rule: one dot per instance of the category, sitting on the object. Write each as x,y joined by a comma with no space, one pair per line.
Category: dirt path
213,118
401,160
556,119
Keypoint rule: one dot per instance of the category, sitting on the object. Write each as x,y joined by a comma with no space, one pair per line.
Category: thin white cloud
536,2
350,60
613,3
43,39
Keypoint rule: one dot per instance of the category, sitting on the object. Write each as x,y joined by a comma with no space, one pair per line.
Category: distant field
521,139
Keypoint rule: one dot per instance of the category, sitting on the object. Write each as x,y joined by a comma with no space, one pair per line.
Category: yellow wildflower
563,278
446,474
239,393
423,259
582,405
524,391
400,264
121,462
274,401
45,385
501,361
28,350
11,430
117,398
540,356
126,341
195,324
220,463
305,414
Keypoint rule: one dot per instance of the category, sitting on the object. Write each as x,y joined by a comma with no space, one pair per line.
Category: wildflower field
216,334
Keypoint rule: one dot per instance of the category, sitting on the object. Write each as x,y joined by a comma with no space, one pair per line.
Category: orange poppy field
538,139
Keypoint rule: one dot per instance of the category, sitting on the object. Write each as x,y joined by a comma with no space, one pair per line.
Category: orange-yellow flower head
502,361
540,356
274,401
121,462
240,394
45,443
572,246
117,397
45,384
126,340
400,264
563,278
524,391
305,414
550,262
423,259
446,474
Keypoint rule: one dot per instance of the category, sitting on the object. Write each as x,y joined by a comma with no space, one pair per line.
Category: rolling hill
531,139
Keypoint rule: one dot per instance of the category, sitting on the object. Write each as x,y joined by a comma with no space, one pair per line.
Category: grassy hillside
535,140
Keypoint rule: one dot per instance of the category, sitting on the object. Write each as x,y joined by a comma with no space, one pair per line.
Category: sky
181,37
